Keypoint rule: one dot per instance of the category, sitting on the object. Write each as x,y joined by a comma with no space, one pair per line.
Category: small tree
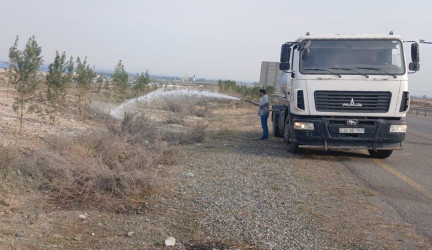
100,81
141,83
13,53
24,66
108,92
57,80
227,85
83,78
120,79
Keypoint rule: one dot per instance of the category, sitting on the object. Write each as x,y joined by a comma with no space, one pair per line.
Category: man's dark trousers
264,126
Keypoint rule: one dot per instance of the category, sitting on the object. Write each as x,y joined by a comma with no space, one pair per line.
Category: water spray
165,94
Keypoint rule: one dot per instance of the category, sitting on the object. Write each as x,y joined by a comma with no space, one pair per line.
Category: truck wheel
275,120
276,131
292,146
380,154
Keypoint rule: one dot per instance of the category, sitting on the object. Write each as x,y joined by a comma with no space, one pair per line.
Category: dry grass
195,133
9,161
176,106
101,168
186,107
425,103
173,119
188,132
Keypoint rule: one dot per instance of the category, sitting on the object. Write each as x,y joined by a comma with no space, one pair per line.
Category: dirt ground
229,191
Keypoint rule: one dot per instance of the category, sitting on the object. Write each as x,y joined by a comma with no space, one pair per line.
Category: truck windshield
354,57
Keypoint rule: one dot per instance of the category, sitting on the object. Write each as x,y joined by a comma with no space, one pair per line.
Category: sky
214,39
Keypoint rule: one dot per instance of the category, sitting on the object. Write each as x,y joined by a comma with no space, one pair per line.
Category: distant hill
4,64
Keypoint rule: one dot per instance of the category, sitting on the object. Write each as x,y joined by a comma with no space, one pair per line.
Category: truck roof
350,36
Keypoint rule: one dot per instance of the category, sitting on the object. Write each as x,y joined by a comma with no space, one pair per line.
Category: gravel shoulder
255,194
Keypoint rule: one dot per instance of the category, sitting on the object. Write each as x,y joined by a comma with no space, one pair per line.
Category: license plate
351,130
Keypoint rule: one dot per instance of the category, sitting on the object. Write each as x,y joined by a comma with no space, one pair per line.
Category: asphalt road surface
405,179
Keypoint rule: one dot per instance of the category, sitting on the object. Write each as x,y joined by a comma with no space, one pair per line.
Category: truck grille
352,101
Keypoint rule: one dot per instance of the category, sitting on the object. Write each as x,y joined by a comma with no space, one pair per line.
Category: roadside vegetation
83,77
242,91
58,79
23,75
101,166
120,79
423,102
108,161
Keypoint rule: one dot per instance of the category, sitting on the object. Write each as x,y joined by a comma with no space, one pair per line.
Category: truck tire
288,137
275,121
276,131
380,154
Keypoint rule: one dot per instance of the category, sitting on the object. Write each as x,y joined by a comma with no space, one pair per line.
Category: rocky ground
228,192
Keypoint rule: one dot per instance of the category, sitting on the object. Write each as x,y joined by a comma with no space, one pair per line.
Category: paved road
405,179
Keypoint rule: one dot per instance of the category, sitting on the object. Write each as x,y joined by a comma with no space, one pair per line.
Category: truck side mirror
415,52
305,54
285,53
414,66
284,66
304,45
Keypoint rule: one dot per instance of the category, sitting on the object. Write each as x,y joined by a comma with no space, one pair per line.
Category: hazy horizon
209,39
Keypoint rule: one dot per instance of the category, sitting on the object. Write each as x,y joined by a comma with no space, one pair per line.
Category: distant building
270,74
186,79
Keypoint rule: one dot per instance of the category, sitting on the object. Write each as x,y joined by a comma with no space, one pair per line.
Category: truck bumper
326,134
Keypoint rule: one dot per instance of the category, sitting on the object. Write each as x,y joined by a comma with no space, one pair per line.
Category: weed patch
8,161
196,133
102,168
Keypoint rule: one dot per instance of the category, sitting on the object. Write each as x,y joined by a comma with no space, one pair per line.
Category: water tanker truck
345,92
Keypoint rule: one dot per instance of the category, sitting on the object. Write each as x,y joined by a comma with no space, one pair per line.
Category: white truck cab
344,91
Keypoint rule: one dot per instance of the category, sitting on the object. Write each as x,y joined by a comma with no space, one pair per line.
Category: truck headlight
398,128
304,125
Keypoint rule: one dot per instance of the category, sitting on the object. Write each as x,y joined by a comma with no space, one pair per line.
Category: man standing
263,111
